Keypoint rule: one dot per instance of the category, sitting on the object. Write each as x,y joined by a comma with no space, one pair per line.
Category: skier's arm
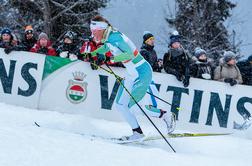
101,50
122,57
126,52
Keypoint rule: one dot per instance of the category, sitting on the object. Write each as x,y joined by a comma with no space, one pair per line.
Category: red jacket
90,46
87,47
48,50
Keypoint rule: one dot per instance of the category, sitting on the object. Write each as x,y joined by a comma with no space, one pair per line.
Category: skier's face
98,34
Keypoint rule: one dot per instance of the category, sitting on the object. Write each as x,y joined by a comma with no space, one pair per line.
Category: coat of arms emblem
76,91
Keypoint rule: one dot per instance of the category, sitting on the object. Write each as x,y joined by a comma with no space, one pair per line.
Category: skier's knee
119,106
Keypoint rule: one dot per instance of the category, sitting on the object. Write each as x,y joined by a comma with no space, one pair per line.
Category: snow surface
58,142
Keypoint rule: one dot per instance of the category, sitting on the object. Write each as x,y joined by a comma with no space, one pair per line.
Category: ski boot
137,136
170,121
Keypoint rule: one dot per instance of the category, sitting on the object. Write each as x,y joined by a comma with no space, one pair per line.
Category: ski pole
119,80
117,76
178,108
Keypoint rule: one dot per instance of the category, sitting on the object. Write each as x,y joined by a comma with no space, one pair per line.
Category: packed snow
65,139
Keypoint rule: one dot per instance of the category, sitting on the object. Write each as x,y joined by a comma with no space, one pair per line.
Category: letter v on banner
106,101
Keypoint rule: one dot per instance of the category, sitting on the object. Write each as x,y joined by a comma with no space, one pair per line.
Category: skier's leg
122,106
155,111
122,101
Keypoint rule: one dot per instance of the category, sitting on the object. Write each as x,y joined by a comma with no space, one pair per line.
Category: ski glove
93,64
64,54
206,76
228,80
73,57
86,55
8,50
101,58
178,76
186,81
233,82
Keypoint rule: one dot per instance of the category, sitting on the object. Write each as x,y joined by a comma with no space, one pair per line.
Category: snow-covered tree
55,16
201,23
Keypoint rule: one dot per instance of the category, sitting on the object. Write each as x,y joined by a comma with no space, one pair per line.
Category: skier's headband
98,25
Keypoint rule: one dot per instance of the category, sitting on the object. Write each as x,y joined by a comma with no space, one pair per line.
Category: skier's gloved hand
100,58
86,55
93,65
64,54
186,81
233,82
8,50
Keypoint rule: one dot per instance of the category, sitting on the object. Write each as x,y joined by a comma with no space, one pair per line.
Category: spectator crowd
176,61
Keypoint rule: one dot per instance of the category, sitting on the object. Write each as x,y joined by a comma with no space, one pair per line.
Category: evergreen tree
201,23
54,16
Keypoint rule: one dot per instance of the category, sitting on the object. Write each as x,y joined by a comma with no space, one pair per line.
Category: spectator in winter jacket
148,52
176,60
227,71
88,46
29,39
7,41
43,45
68,47
202,66
246,70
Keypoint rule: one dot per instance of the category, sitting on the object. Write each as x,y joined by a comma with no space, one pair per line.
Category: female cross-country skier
138,79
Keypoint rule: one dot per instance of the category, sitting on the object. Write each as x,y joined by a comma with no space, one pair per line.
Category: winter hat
146,36
228,55
6,31
70,35
175,37
43,35
199,51
28,29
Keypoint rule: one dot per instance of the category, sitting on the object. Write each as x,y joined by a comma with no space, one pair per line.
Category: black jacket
70,48
246,71
201,69
28,43
150,56
177,62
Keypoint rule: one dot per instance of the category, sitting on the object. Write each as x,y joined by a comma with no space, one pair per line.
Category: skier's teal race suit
138,79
